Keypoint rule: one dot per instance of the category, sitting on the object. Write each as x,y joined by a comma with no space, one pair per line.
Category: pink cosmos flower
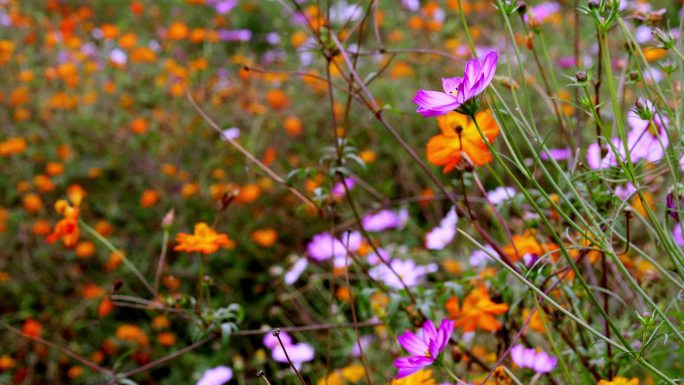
424,349
439,237
540,13
648,139
338,191
460,93
295,271
500,194
222,7
540,362
324,246
385,220
234,35
598,158
299,353
677,235
411,274
216,376
557,154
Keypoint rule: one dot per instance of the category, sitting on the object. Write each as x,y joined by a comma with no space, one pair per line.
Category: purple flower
442,235
556,153
216,376
295,271
542,12
625,192
460,93
365,341
271,341
424,349
235,35
540,362
648,139
222,7
565,62
674,202
677,235
410,5
338,190
410,273
230,134
299,353
500,194
385,220
324,246
479,258
598,158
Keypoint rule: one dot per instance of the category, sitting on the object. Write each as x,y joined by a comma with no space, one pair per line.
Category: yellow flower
619,381
353,373
422,377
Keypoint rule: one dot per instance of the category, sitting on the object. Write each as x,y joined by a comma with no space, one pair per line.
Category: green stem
454,376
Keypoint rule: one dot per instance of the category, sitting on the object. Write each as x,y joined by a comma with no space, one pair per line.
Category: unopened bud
633,76
168,219
581,76
522,7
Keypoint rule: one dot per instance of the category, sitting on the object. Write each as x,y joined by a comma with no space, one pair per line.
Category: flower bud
168,219
522,7
581,76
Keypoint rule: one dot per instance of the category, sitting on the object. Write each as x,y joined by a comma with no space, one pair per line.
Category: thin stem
276,333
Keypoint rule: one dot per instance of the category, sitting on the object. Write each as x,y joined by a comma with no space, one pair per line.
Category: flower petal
434,103
412,344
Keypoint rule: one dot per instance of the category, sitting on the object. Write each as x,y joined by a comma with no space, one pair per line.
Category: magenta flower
424,349
461,94
540,362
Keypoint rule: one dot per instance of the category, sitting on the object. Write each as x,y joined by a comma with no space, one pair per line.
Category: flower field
340,192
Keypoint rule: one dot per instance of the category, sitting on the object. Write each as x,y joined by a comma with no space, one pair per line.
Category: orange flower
40,227
277,99
138,125
527,244
459,144
248,193
205,240
32,328
149,198
67,228
132,333
85,249
536,322
178,31
265,237
478,311
12,146
6,363
166,339
32,203
113,261
293,126
92,291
